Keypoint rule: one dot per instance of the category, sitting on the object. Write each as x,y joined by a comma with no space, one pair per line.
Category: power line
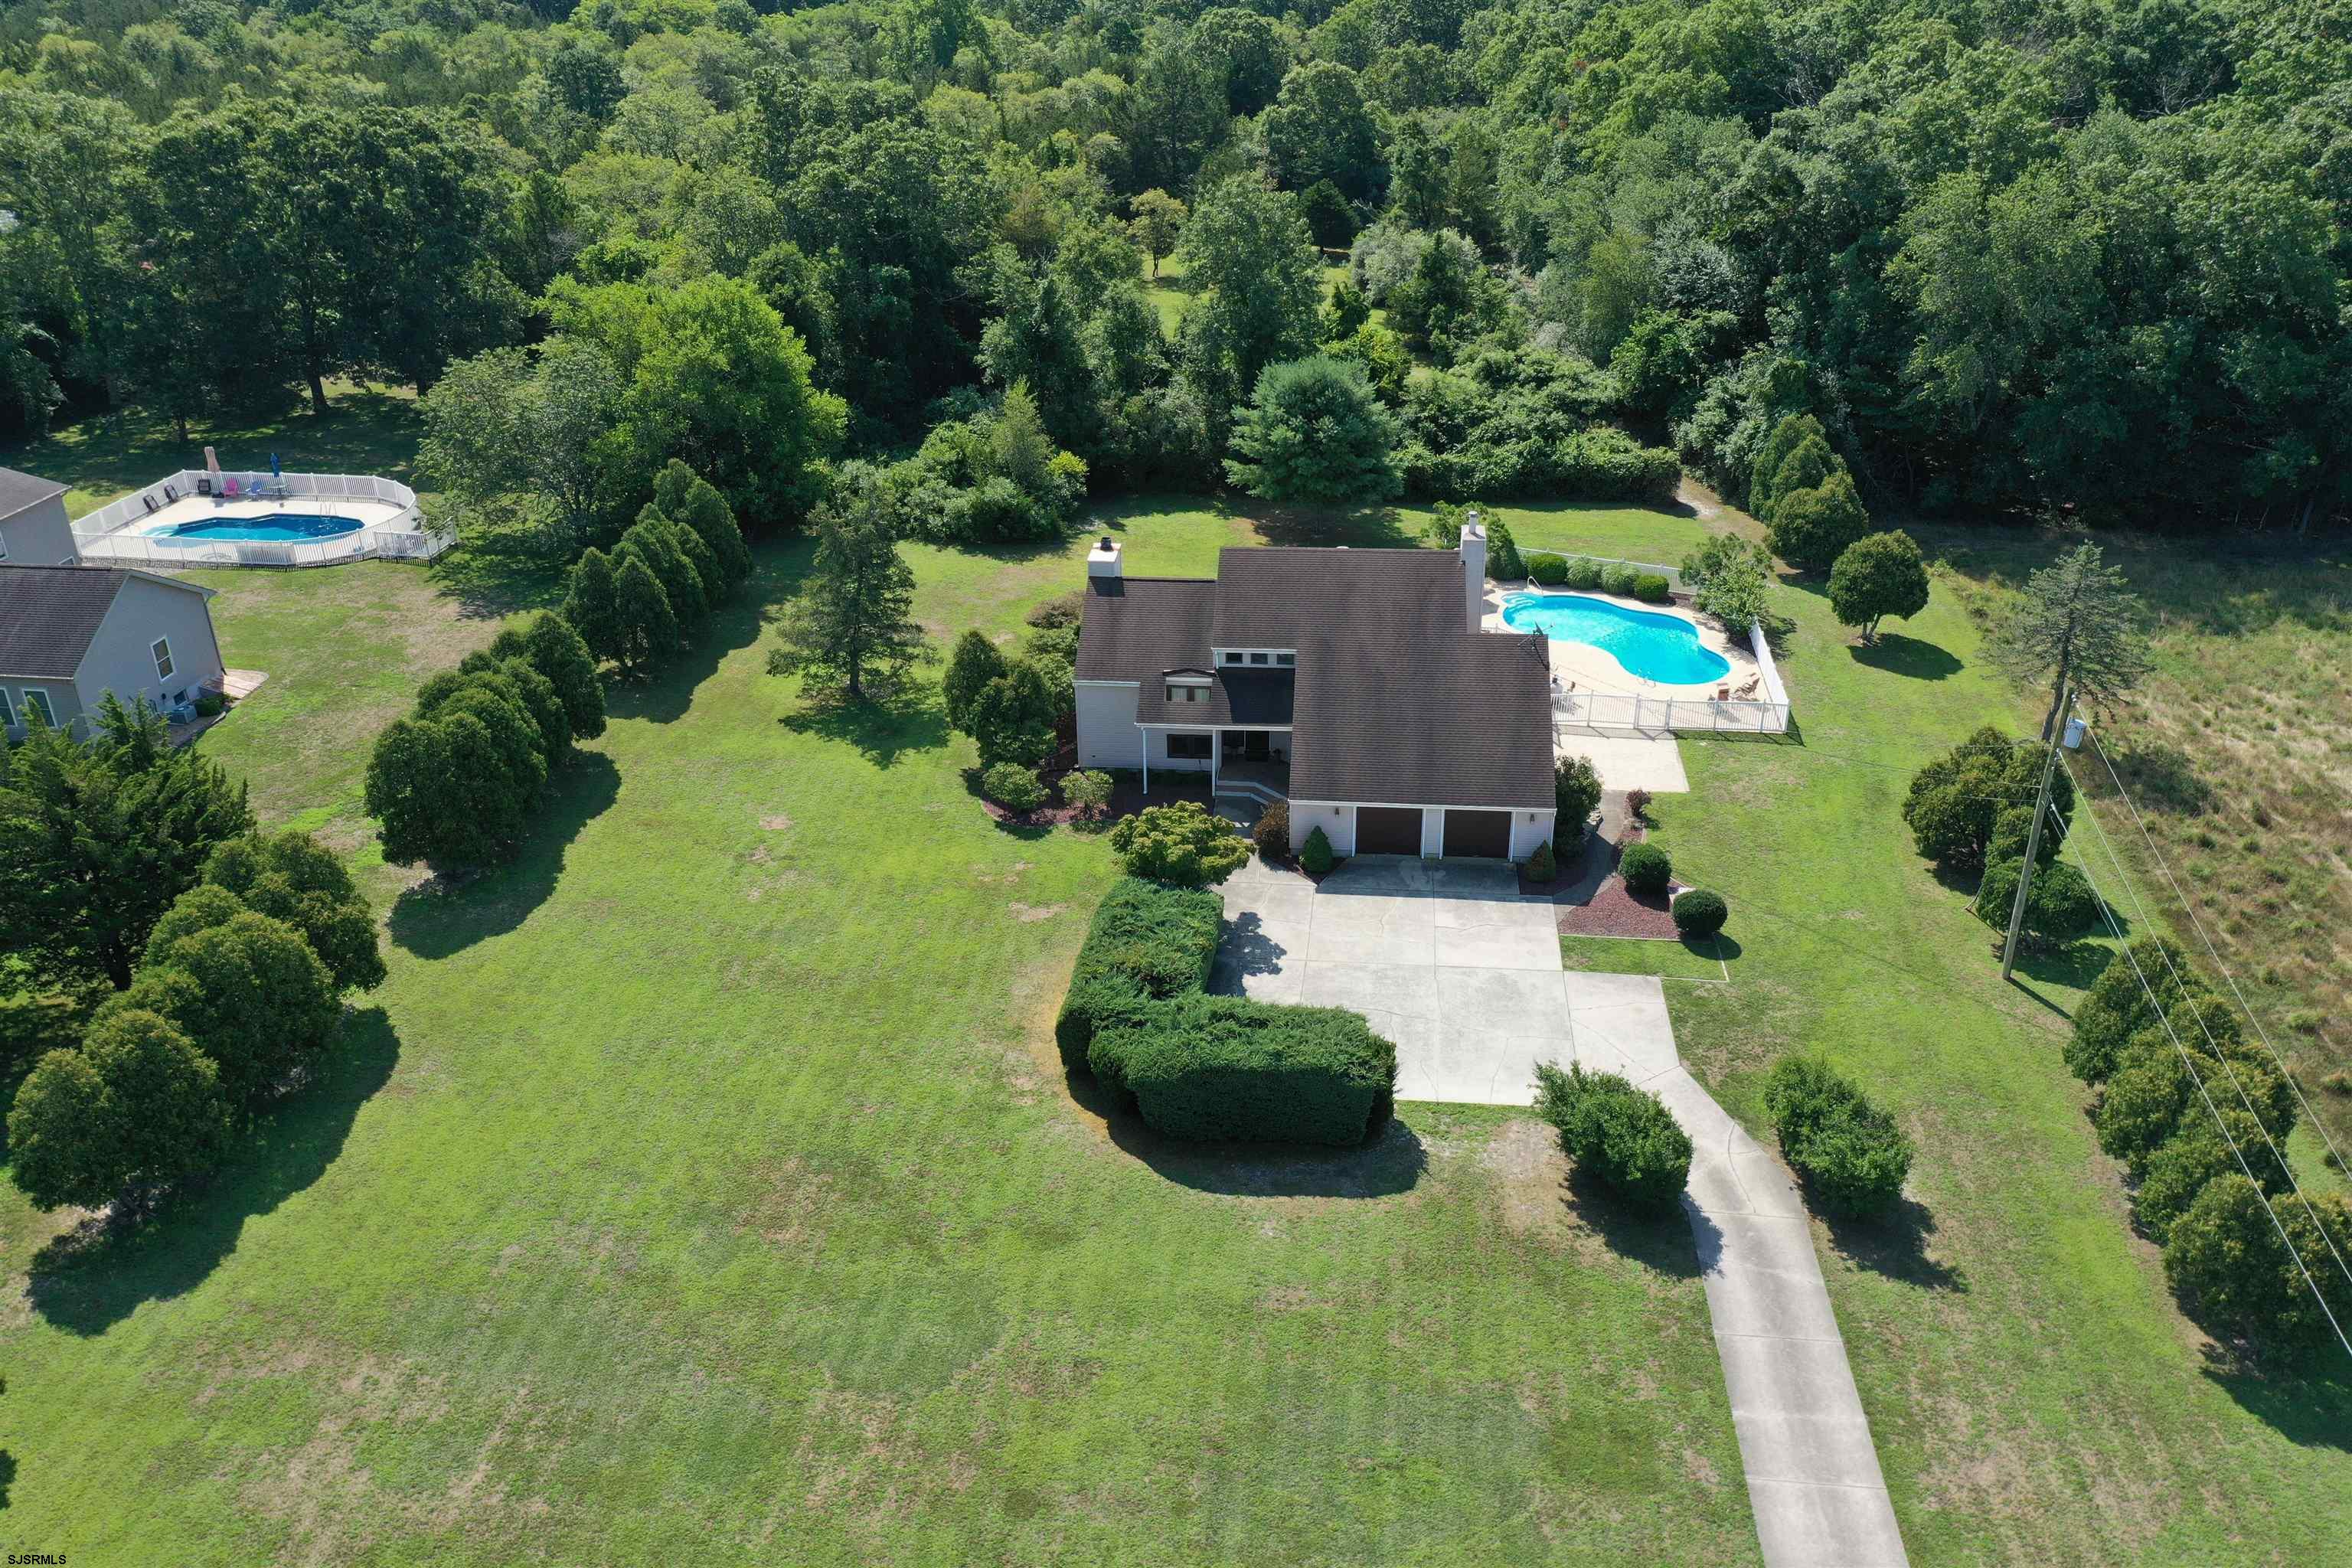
2189,1066
2210,950
2220,1056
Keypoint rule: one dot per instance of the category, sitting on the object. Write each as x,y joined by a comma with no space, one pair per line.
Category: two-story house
1354,683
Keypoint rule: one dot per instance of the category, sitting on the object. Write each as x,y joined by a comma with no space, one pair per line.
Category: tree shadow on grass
94,1276
7,1475
2308,1400
882,728
495,572
1365,528
667,693
1892,1243
1665,1239
1908,657
2161,777
1391,1163
2076,964
444,916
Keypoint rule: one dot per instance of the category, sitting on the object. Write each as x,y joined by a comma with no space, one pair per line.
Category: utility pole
2033,837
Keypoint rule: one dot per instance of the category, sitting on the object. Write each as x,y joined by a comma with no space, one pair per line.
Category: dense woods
2005,256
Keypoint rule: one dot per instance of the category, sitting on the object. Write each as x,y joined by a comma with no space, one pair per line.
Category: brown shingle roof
1395,699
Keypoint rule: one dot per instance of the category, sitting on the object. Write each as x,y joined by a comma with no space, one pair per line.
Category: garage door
1388,830
1481,833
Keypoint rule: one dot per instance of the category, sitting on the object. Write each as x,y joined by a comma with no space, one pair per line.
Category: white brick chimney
1474,570
1102,560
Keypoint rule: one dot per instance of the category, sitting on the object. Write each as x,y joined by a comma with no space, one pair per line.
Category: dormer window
1261,658
1286,658
1188,688
1232,655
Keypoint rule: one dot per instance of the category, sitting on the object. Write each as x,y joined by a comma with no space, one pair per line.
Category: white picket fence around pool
111,536
1765,714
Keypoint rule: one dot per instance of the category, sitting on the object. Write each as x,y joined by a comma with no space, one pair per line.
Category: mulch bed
1126,797
1613,909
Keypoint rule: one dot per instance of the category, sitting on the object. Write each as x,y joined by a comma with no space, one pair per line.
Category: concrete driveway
1445,958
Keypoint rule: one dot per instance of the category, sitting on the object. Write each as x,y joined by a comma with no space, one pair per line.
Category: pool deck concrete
216,509
1580,666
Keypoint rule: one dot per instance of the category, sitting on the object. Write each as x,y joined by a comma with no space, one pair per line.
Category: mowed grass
2034,1394
706,1176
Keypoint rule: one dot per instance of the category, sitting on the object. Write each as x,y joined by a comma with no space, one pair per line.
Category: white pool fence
1765,712
108,535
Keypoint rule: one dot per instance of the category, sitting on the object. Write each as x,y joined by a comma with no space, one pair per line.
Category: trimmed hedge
1146,942
1699,912
1550,571
1228,1069
1645,868
1652,589
1012,786
1623,1135
1848,1150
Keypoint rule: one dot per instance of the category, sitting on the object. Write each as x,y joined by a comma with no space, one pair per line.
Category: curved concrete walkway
1435,955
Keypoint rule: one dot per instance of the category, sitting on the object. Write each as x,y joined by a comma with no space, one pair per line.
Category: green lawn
706,1176
2034,1394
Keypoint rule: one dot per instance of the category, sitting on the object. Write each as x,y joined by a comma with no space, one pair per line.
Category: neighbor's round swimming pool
1664,648
271,527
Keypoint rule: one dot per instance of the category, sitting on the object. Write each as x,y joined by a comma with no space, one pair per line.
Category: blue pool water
276,527
1656,648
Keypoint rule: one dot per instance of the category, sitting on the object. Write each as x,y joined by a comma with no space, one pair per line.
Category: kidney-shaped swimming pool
1664,648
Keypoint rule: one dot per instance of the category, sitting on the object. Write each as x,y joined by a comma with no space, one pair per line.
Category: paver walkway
1448,961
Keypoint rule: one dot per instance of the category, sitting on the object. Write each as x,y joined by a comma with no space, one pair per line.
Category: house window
162,652
1260,658
3,547
1231,658
38,701
1286,658
1184,693
1188,748
7,710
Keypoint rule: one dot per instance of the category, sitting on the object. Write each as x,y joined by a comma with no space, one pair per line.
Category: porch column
1216,757
1143,739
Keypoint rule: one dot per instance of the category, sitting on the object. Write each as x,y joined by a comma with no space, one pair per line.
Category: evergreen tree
975,663
592,608
648,627
548,645
2079,624
854,622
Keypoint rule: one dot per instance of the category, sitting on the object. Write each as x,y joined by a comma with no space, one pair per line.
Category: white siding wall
1526,834
1337,823
1108,737
120,659
39,535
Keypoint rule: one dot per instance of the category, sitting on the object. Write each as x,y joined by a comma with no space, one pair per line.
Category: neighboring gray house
1353,683
68,635
33,527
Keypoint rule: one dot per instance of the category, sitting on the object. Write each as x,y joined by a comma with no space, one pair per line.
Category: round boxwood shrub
1645,868
1623,1135
1541,866
1550,571
1652,589
2059,908
1583,574
1849,1150
1699,912
1272,833
1012,786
